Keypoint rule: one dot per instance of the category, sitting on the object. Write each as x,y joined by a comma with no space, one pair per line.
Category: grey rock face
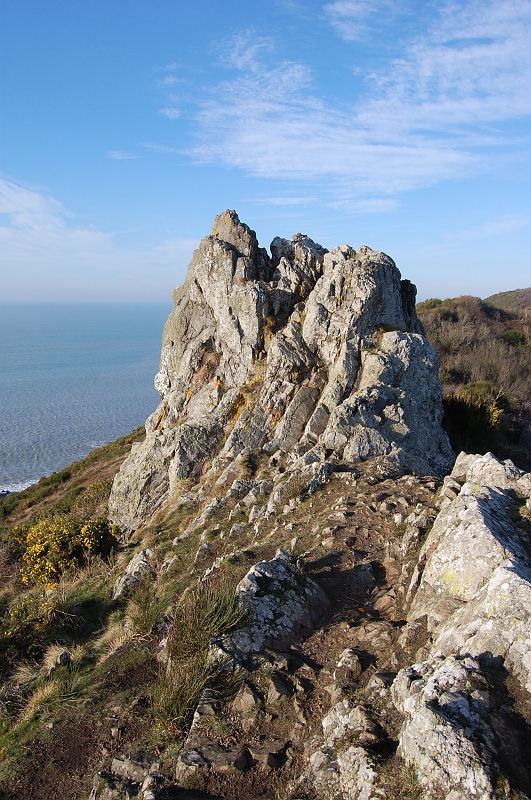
281,604
473,577
308,352
338,765
136,569
446,735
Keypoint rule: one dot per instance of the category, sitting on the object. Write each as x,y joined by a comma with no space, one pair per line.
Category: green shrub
516,338
22,627
54,545
427,305
473,415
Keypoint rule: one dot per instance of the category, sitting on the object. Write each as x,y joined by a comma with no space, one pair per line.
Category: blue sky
125,127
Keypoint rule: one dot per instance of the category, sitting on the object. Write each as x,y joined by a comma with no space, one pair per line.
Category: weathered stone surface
137,567
497,621
473,577
446,735
471,537
305,352
338,766
281,603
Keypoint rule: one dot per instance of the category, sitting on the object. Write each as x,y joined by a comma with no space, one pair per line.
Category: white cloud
473,67
159,148
353,18
286,201
43,256
170,112
169,80
243,50
437,113
119,155
496,227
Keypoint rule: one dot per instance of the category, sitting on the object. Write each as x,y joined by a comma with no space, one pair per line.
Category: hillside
485,369
517,302
288,592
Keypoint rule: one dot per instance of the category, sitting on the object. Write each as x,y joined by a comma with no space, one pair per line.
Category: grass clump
203,613
146,607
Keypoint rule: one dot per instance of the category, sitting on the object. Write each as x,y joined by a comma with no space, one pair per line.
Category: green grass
204,612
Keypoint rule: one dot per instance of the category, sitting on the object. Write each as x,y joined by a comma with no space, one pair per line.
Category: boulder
281,604
338,765
473,578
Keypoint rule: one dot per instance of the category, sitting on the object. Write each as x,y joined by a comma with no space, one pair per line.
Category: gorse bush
60,543
22,627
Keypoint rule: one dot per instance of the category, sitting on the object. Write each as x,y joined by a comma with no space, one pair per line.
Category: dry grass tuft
24,673
51,655
41,696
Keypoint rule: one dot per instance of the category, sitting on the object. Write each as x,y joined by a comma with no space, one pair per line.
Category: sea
73,377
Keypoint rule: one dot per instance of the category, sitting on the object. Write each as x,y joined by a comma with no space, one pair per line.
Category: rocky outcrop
376,663
472,584
473,577
447,735
314,353
280,603
338,765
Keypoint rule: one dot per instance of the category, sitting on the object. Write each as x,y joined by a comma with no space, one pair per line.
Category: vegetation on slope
110,694
485,368
518,302
71,655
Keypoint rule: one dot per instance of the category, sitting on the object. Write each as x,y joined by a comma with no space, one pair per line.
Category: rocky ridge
313,353
382,649
388,659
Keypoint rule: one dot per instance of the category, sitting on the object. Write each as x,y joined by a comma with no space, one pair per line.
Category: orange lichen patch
161,418
276,415
208,365
238,405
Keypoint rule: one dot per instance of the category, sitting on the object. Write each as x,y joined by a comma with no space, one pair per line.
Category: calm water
73,376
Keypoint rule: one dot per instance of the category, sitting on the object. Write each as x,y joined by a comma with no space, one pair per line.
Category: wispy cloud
171,112
45,255
170,80
119,155
353,18
495,227
436,113
287,201
159,148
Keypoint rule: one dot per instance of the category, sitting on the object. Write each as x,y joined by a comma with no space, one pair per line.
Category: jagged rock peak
313,353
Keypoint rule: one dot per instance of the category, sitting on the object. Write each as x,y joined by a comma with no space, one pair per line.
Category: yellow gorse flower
61,543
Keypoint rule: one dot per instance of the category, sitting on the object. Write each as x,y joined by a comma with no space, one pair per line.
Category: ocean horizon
73,377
